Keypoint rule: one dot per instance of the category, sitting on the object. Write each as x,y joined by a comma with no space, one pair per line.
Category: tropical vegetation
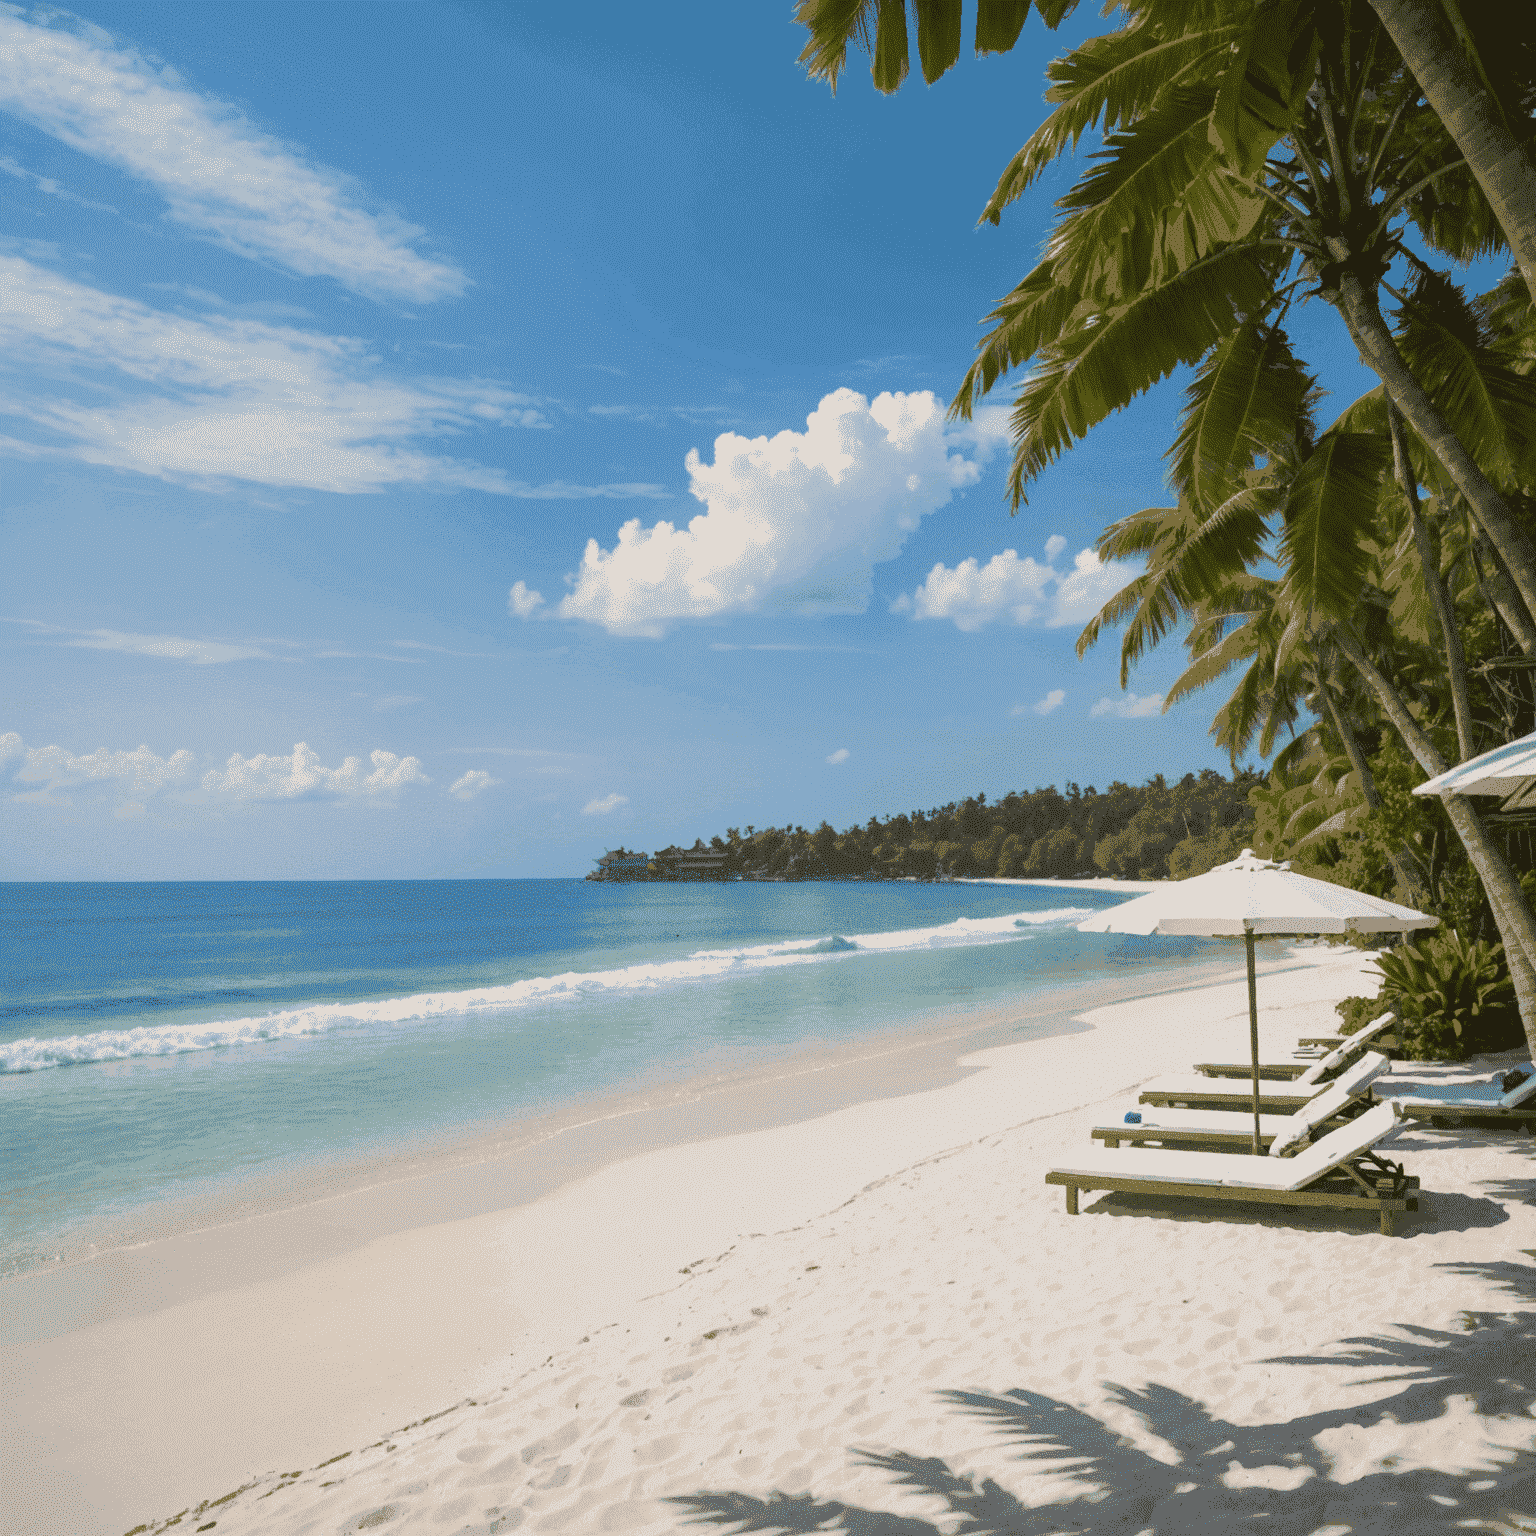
1367,582
1152,831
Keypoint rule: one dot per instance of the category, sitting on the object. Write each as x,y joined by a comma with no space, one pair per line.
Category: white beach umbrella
1252,896
1509,771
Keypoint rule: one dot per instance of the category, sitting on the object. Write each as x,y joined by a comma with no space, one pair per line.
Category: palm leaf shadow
1221,1477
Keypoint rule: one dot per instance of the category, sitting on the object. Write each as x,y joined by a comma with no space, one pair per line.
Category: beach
877,1312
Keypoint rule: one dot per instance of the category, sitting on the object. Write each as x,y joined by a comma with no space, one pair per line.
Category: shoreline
482,1168
286,1306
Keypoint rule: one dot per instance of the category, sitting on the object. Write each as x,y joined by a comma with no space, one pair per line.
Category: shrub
1453,997
1357,1012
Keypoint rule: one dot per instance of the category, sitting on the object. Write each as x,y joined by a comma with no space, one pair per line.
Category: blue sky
454,439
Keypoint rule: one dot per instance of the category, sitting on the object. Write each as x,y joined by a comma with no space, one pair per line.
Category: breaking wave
39,1054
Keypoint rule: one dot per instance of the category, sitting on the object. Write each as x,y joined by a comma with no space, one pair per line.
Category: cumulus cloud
1046,706
1129,706
115,382
473,783
302,776
1017,591
605,805
221,175
137,774
840,756
523,603
793,523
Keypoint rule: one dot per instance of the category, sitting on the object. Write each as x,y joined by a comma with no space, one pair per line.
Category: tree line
1367,581
1151,831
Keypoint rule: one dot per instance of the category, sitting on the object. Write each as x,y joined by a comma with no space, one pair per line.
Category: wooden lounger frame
1386,1043
1189,1141
1367,1182
1269,1071
1442,1115
1231,1097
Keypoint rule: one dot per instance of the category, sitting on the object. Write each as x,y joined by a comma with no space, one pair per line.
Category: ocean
165,1046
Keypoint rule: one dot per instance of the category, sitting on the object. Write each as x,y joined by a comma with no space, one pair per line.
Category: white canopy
1253,895
1508,770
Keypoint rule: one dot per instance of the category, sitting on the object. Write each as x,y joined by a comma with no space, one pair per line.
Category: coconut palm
1251,150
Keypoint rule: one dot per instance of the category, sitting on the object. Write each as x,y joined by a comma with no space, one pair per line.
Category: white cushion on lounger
1348,1048
1468,1096
1239,1170
1178,1084
1286,1129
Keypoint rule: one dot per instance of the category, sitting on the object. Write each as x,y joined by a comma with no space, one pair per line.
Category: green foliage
1453,997
1356,1012
1194,824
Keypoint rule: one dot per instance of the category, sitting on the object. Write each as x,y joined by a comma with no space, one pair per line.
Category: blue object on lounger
1132,1117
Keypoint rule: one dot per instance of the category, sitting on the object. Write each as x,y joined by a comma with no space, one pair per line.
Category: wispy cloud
1129,706
840,756
300,775
839,650
605,805
199,653
473,783
522,603
442,650
389,701
53,188
111,381
1011,590
221,176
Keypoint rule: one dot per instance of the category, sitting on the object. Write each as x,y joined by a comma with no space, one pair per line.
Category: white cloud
605,805
1046,706
302,776
200,653
1018,591
473,783
793,523
220,174
137,774
114,382
522,602
840,756
1129,706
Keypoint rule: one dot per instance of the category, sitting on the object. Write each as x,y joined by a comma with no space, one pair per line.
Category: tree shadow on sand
1217,1476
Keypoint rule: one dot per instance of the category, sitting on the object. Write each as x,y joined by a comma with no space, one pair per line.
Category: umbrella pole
1253,1031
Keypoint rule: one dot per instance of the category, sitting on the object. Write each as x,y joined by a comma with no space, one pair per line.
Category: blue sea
172,1042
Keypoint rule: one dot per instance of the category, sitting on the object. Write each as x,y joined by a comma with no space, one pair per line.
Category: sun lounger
1313,1046
1341,1171
1348,1049
1191,1091
1220,1130
1449,1103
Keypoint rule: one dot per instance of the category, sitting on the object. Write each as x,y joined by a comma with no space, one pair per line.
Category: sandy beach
877,1318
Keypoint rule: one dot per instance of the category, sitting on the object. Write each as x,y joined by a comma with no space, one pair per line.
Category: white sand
784,1312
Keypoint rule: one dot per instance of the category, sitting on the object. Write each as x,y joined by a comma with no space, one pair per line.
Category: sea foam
36,1055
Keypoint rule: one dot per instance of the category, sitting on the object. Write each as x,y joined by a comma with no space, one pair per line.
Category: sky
450,440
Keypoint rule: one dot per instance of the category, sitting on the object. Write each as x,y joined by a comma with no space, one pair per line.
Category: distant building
696,863
621,864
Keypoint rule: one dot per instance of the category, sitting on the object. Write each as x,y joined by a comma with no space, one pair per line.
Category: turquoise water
162,1041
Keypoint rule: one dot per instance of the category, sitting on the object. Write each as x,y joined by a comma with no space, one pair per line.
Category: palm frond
1106,360
1328,517
1105,84
1244,402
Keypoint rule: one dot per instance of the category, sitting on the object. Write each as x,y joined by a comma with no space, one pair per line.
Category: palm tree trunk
1516,548
1503,166
1500,592
1517,926
1429,561
1402,861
